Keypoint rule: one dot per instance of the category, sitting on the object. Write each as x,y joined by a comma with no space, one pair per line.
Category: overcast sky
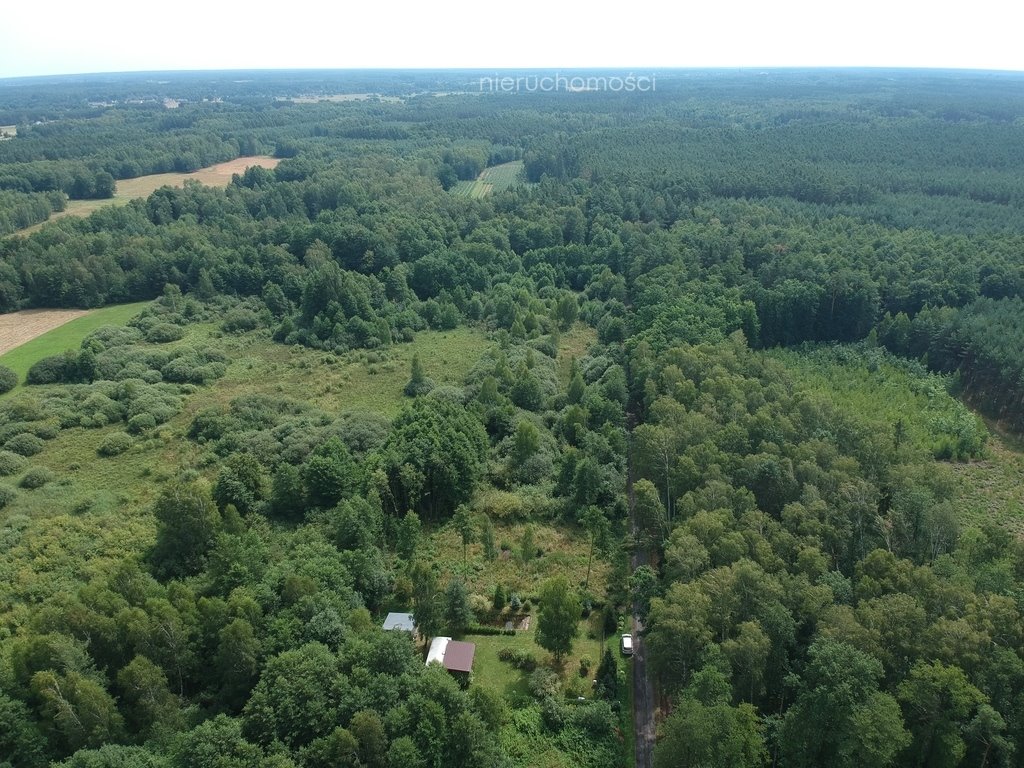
59,37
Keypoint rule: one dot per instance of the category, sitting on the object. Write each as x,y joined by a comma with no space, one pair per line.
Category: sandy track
18,327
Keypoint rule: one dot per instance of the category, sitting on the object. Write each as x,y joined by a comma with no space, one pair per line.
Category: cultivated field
497,178
28,336
143,186
16,328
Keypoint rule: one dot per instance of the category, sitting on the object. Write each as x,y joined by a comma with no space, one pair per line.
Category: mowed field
33,334
143,186
497,178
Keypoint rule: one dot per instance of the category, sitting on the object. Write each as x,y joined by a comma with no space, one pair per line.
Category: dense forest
732,329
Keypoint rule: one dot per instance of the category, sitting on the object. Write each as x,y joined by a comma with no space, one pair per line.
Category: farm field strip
143,186
32,334
497,178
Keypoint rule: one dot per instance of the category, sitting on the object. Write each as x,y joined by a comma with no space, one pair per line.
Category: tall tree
560,611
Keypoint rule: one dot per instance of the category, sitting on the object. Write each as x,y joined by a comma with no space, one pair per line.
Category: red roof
458,656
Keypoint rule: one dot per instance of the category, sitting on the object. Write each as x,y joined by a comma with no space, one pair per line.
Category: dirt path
643,691
17,328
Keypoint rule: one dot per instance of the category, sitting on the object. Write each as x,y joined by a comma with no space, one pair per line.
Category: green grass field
97,509
143,186
496,675
497,178
67,336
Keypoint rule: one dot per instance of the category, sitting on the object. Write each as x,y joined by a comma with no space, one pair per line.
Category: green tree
287,495
560,611
747,652
487,539
698,735
444,448
238,661
840,718
426,601
240,482
939,702
77,709
462,521
457,613
21,743
368,729
187,525
527,548
151,707
592,519
418,384
329,473
408,535
649,512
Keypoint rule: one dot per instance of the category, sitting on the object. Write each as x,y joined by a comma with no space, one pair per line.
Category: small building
458,656
454,655
437,648
403,622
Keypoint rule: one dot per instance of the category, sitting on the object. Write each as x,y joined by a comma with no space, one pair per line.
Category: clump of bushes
161,333
518,658
11,463
7,495
8,379
115,444
24,444
37,477
240,319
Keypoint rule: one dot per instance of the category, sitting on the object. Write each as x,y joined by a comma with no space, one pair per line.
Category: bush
37,477
544,683
24,444
7,495
164,332
489,631
518,658
11,463
115,444
141,422
240,319
49,370
8,379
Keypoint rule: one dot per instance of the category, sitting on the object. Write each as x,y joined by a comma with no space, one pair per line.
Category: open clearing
143,186
497,178
8,131
17,328
33,334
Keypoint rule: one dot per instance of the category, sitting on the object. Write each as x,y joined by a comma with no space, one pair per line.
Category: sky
62,37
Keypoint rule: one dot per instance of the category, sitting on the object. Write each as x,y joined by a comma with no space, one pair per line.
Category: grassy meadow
143,186
497,178
67,336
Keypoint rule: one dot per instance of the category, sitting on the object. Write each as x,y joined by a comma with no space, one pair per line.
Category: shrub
11,463
8,379
488,631
544,683
49,370
115,444
24,444
140,422
7,495
37,477
164,332
240,319
518,658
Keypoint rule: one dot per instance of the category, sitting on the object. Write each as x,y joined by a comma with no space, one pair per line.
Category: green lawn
67,336
489,672
497,178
